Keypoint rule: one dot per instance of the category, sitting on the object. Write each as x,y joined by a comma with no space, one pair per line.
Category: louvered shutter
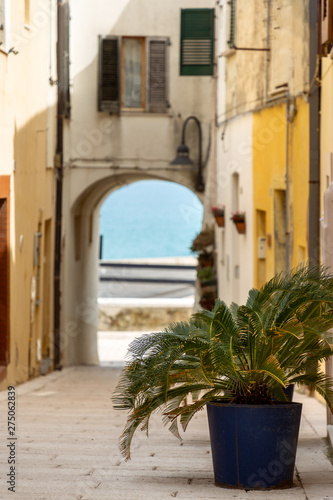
157,75
326,21
108,85
197,42
232,26
4,283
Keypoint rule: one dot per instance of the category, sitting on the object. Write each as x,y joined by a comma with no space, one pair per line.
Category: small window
132,74
197,42
5,25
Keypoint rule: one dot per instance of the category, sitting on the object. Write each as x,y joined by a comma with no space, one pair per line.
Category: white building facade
138,70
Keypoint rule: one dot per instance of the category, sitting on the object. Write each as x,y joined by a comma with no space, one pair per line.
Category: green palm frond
246,353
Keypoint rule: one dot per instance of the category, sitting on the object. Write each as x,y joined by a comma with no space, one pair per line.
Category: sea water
149,219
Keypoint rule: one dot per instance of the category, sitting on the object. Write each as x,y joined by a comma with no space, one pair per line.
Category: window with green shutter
197,42
232,26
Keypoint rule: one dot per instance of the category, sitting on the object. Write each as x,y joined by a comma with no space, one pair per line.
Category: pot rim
276,404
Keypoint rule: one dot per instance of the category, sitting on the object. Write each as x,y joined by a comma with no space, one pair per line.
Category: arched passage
149,219
80,258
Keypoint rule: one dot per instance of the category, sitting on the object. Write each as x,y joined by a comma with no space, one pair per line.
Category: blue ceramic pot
254,447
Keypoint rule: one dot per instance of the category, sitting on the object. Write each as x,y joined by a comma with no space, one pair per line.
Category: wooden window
4,270
197,42
132,74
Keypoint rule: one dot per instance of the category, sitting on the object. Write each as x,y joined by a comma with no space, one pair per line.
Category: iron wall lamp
183,157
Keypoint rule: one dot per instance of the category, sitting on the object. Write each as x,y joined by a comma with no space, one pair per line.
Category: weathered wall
104,152
254,86
27,138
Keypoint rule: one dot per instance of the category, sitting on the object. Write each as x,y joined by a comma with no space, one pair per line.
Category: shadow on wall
32,249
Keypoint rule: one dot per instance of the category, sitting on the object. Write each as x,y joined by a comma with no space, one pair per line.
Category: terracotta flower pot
220,220
240,227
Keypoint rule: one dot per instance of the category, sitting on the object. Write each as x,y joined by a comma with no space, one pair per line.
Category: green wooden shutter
232,27
157,75
108,85
197,42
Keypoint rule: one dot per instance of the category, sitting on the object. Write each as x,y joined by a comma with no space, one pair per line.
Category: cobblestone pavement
66,448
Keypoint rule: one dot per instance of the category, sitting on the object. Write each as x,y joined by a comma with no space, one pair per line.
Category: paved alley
66,448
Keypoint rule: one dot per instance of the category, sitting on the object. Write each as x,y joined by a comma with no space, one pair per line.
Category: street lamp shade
182,157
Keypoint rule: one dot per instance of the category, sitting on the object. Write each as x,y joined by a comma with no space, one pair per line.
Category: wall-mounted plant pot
208,302
205,263
208,288
241,227
220,221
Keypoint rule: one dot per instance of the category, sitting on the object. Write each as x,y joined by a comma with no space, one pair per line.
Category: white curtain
132,88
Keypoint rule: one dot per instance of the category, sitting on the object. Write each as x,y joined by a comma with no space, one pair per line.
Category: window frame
116,105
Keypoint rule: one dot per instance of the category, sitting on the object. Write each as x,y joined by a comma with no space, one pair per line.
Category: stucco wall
27,138
235,251
253,76
270,171
104,152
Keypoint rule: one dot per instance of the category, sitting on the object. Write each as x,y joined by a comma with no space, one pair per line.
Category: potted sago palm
237,361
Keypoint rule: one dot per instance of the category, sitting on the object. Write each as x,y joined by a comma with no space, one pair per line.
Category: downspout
287,232
267,46
314,157
59,181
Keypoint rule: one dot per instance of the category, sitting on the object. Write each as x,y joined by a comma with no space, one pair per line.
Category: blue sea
149,219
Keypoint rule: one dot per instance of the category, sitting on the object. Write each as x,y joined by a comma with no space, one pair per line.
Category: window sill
142,112
228,53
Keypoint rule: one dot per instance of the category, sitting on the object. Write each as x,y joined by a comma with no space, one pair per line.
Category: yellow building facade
27,144
262,140
280,187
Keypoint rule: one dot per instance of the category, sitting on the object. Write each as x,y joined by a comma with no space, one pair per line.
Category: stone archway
81,249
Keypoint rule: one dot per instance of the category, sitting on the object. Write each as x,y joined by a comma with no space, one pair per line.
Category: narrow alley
66,447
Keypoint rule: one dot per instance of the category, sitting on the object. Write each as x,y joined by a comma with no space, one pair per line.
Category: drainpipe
267,45
314,158
287,243
59,181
